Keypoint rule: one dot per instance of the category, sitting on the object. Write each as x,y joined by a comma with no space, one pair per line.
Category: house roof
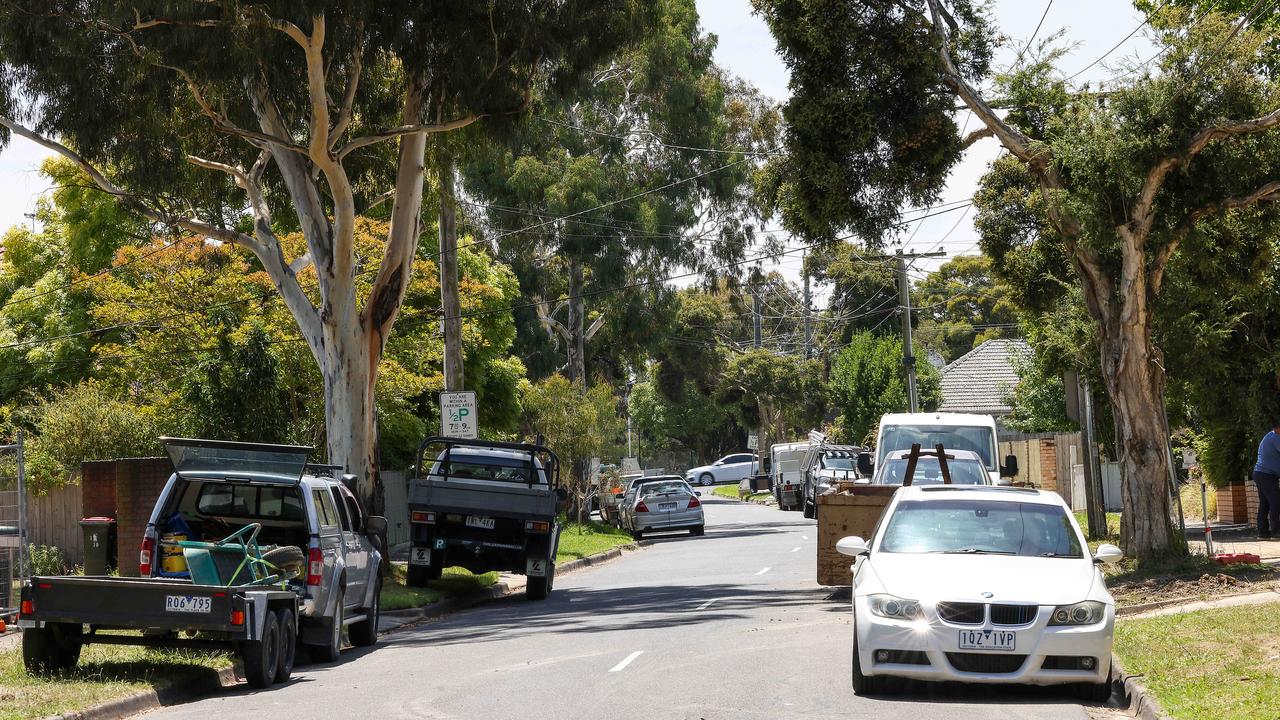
979,380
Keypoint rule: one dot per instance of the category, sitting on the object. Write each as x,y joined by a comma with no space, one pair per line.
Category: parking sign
458,418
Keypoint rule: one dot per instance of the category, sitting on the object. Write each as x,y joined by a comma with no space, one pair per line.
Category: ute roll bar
550,465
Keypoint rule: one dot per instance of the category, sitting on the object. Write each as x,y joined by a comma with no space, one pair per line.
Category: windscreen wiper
975,551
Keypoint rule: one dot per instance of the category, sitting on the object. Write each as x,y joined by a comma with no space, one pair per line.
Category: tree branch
975,136
552,326
392,133
348,97
1270,192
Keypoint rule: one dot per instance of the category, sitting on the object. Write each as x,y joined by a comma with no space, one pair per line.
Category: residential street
730,625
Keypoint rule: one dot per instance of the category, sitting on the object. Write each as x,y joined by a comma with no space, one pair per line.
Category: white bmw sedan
980,584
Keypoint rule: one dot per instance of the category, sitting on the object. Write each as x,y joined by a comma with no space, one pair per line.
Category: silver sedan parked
661,505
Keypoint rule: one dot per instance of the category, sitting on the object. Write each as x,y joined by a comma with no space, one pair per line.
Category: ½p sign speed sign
458,417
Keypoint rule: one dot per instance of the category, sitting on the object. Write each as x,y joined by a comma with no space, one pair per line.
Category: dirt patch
1191,586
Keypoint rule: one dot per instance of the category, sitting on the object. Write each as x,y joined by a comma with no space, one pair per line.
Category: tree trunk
350,375
577,366
452,306
1135,381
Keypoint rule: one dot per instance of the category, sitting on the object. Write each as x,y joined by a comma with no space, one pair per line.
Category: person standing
1266,475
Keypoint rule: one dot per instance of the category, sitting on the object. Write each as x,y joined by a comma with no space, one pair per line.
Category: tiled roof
979,380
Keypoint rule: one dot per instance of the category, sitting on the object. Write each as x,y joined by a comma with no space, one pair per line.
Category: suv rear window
249,501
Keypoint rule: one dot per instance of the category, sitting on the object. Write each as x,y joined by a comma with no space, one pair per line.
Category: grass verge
396,595
726,491
105,673
588,538
1218,663
1193,577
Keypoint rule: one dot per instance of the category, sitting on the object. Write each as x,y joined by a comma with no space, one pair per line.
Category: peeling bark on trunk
351,428
451,304
577,325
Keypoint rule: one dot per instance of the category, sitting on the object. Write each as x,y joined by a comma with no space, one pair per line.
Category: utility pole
808,331
755,315
451,304
904,297
1095,501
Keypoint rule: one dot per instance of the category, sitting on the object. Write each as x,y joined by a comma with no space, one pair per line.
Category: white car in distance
971,583
730,468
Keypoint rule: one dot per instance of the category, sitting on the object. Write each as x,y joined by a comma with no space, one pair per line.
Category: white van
786,473
954,431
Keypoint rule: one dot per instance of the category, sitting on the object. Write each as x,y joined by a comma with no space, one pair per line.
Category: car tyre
864,684
699,530
705,479
261,657
636,534
288,652
365,632
538,588
287,558
1096,692
810,512
330,651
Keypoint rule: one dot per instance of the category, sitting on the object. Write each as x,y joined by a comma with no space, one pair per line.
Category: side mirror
852,546
1010,468
865,464
1108,553
375,525
697,493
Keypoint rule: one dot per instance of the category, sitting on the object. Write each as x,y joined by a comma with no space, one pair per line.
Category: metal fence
13,526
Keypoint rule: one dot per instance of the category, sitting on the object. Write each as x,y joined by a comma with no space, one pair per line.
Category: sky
747,49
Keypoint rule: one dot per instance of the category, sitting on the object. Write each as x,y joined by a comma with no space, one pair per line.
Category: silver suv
219,487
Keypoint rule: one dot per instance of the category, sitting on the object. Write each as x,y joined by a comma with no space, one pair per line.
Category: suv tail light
147,552
641,507
315,564
694,502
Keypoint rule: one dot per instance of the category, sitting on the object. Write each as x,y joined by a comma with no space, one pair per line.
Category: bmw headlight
1089,612
894,608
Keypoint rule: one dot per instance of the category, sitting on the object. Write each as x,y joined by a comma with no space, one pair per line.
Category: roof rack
998,488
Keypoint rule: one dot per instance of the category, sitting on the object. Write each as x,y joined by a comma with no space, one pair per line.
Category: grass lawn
453,581
105,672
1113,529
1219,663
589,538
727,491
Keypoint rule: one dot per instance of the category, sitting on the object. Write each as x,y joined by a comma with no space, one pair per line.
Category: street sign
458,418
1189,459
753,442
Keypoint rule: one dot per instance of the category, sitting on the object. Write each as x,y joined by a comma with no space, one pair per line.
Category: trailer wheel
261,657
54,648
288,644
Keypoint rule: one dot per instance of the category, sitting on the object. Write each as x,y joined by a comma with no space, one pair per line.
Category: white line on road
763,571
705,605
626,661
804,537
796,550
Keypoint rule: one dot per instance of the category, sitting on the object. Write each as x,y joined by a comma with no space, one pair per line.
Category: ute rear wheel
809,510
420,575
261,657
538,588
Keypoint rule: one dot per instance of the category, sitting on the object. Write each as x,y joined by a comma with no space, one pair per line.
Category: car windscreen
838,463
250,502
928,472
493,468
952,437
663,488
964,526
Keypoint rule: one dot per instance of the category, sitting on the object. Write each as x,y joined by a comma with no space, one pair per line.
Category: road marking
804,537
705,605
626,661
796,550
763,571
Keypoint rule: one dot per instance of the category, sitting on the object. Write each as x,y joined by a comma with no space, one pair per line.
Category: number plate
420,556
479,521
188,604
535,567
667,506
988,640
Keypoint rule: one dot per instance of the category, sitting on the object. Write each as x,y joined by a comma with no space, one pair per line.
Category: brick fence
125,490
1238,503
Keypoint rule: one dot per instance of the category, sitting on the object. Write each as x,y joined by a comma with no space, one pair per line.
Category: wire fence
13,527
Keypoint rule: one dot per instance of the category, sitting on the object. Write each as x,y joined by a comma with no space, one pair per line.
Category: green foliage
46,560
963,305
781,394
577,424
863,292
870,125
85,422
867,381
1039,399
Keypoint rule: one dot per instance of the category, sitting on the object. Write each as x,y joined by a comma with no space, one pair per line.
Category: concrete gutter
152,699
1141,703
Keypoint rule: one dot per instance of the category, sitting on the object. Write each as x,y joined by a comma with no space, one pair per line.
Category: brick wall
98,489
1238,503
138,484
1049,464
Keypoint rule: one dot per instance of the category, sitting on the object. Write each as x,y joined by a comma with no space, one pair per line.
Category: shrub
46,560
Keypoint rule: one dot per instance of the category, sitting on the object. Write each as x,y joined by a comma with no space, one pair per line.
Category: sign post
458,417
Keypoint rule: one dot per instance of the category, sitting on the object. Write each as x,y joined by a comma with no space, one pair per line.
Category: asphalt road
729,625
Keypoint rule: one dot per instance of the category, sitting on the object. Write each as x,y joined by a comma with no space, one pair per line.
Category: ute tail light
641,507
27,608
145,555
315,564
537,526
420,516
694,502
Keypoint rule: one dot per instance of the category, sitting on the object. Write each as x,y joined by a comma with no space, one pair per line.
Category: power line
656,139
1035,32
1117,45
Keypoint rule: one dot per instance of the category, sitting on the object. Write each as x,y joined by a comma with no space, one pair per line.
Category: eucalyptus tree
641,168
1122,181
233,121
